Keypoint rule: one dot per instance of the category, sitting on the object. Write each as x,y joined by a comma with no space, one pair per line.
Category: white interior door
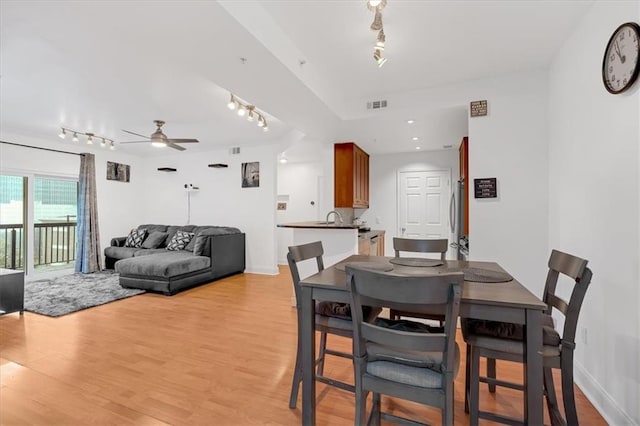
424,203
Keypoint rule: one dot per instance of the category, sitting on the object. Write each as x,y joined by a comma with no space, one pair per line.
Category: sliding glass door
13,191
37,222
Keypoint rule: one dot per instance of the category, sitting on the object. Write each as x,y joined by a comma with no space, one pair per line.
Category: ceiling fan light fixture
158,144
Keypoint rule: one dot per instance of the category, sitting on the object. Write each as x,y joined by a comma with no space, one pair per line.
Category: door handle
452,209
403,229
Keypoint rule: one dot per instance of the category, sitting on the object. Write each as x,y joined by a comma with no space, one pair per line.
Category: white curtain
88,254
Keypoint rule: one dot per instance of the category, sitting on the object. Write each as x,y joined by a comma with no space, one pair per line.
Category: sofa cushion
135,238
171,230
120,252
163,265
154,228
206,231
180,240
154,240
147,252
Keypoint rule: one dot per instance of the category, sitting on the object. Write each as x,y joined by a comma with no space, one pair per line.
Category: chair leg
467,376
552,401
474,391
375,410
447,411
568,397
297,379
361,400
323,348
491,372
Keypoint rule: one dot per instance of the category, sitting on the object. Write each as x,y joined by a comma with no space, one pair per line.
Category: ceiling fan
159,139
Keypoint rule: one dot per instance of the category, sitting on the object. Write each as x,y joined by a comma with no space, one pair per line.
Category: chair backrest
440,245
576,269
405,293
301,253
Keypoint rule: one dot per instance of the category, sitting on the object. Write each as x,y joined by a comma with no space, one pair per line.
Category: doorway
423,204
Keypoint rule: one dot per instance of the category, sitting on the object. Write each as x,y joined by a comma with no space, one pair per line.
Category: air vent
447,146
235,150
377,104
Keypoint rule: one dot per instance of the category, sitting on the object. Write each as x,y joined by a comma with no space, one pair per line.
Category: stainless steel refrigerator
456,220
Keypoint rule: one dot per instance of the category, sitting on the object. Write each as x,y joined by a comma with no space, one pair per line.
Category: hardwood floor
220,354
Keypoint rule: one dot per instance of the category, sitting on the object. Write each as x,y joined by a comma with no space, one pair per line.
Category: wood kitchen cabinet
351,176
464,176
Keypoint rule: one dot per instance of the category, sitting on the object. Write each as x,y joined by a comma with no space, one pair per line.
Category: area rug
70,293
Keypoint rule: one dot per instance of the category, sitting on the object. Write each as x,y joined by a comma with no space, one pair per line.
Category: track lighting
249,110
376,6
90,136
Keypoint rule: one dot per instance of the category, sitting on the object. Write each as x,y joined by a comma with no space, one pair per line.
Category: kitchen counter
318,225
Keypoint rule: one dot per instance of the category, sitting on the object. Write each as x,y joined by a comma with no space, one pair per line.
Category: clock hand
618,51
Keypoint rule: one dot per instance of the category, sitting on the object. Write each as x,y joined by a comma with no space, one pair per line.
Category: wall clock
620,66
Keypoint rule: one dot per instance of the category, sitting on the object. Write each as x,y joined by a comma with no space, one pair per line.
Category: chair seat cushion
432,360
424,377
509,331
323,321
508,345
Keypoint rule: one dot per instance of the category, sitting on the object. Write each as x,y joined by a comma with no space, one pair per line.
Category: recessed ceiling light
415,138
417,147
410,121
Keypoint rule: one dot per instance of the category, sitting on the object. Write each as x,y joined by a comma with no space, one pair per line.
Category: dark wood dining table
505,301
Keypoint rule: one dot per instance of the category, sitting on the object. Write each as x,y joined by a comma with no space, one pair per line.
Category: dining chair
495,340
326,324
410,365
440,245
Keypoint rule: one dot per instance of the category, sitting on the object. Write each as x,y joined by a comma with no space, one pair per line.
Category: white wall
298,186
118,202
594,192
383,185
220,200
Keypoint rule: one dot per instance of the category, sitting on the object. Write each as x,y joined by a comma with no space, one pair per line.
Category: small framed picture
282,206
117,171
251,174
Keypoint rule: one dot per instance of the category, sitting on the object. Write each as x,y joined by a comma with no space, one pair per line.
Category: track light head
232,103
89,138
377,55
75,137
241,110
62,134
112,147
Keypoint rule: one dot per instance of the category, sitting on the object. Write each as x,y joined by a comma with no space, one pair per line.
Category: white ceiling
107,66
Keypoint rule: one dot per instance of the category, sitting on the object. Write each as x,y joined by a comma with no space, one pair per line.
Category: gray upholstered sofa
214,252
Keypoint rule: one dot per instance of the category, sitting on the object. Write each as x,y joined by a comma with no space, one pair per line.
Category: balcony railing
54,243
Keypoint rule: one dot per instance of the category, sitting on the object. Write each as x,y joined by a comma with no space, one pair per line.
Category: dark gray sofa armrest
118,241
227,253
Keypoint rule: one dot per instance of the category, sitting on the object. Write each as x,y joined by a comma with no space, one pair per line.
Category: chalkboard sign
485,188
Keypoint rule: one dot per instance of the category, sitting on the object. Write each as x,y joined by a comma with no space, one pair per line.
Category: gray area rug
70,293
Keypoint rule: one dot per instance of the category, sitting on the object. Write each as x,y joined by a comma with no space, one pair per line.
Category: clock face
620,66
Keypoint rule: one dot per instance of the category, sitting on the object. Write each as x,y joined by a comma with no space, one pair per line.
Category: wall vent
235,150
377,104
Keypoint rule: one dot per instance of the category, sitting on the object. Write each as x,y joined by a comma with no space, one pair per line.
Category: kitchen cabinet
351,176
464,176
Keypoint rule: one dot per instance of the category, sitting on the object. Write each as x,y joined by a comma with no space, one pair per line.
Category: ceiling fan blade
135,142
178,147
183,140
136,134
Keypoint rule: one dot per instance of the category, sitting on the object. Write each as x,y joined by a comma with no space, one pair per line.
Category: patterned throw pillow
135,238
180,240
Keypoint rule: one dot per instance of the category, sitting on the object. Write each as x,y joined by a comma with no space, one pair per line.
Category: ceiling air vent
235,150
377,104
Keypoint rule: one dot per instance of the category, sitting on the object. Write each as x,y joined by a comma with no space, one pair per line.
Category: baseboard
600,399
263,271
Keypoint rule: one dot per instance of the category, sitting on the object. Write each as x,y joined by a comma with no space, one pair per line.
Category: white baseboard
263,271
600,399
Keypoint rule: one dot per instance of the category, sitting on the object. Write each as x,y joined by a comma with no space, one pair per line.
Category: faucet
338,216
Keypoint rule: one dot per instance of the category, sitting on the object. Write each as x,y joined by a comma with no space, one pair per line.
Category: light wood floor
219,354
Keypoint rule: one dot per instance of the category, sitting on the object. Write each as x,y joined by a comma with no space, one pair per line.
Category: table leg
308,340
533,368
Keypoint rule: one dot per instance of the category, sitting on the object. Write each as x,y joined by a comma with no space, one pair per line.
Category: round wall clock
620,66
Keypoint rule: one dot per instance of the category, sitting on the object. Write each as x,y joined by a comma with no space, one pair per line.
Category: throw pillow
154,240
191,244
180,240
135,238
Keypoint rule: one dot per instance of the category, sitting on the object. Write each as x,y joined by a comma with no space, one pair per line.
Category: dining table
507,301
